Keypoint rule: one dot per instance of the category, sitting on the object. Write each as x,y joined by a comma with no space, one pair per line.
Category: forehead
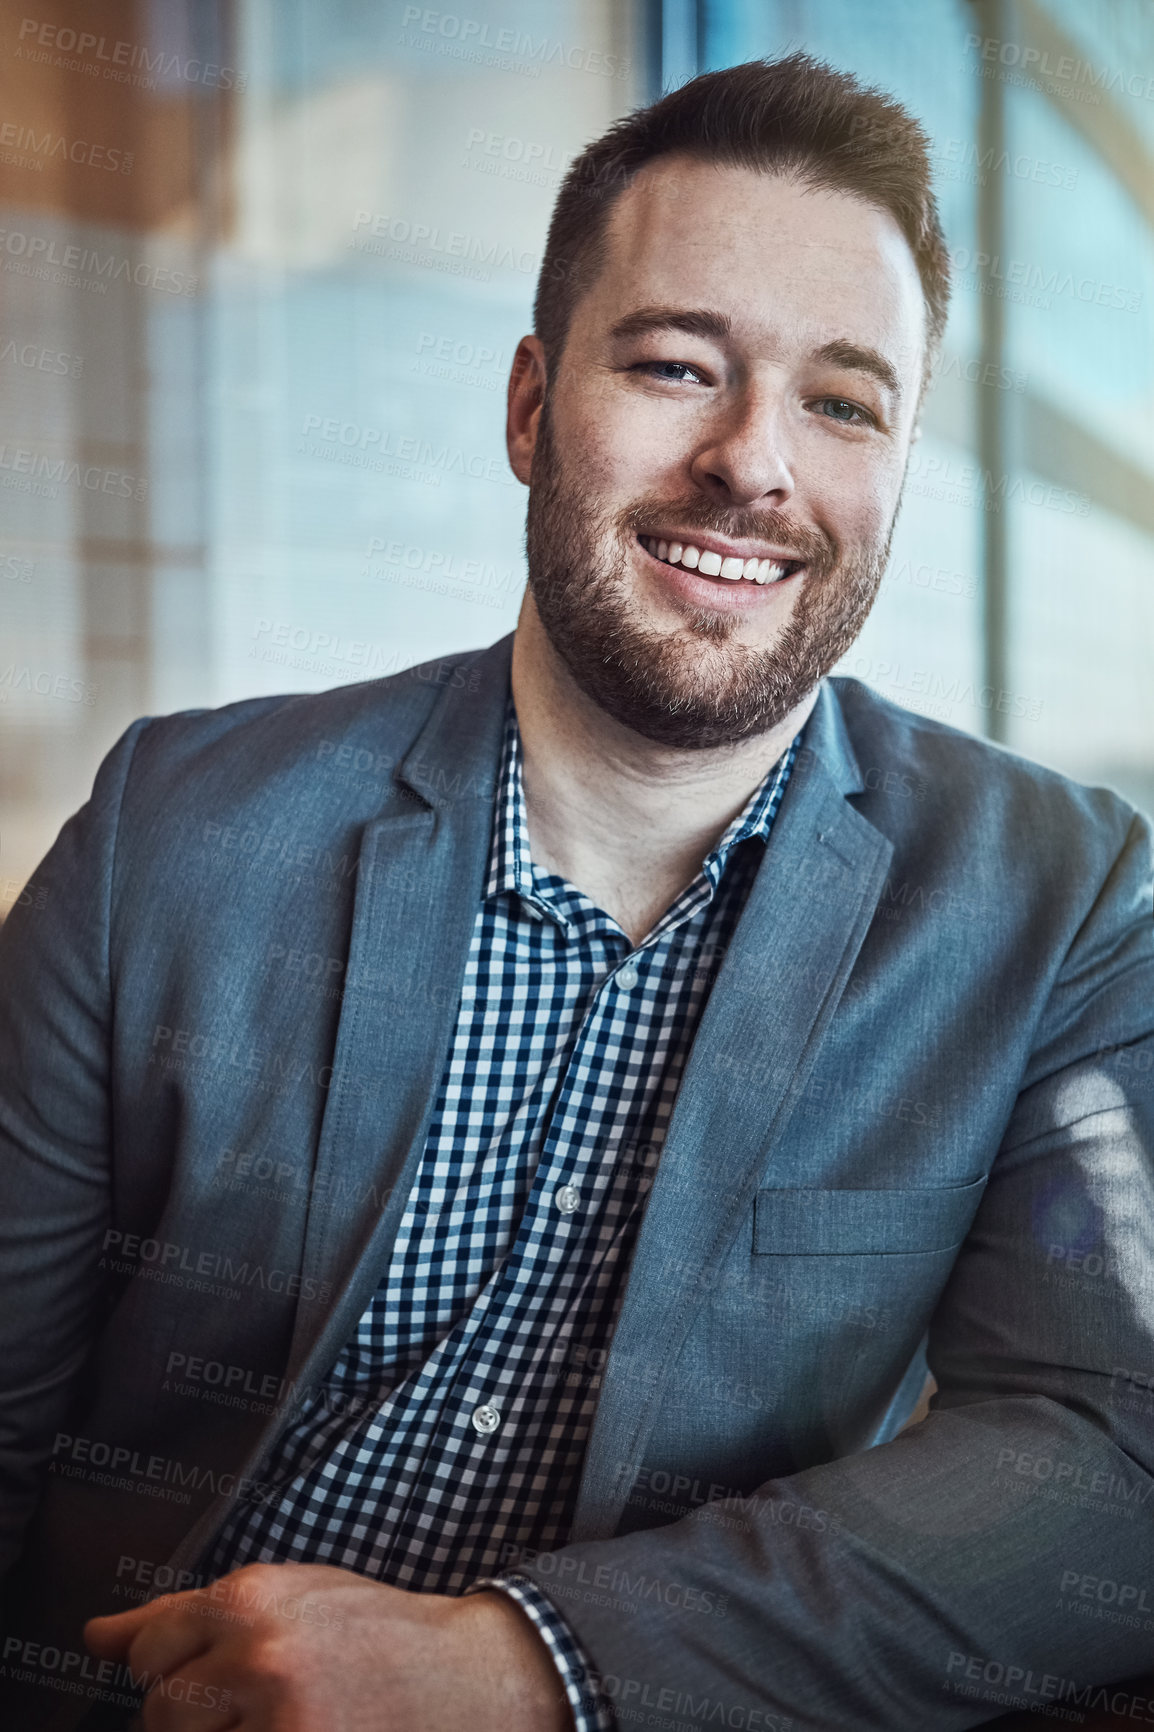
778,258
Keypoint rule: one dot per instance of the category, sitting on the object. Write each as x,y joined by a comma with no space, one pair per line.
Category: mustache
818,549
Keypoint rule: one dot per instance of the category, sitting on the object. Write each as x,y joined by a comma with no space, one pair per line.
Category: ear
526,396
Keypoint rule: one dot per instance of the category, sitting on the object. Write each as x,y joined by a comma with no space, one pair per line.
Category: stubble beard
692,687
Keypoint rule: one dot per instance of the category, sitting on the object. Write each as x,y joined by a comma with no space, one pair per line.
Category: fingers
240,1653
110,1638
170,1640
162,1643
154,1639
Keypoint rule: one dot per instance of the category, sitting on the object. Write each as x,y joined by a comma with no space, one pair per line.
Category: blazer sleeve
998,1554
55,1029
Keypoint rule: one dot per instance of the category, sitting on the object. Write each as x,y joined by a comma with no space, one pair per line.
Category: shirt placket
560,1216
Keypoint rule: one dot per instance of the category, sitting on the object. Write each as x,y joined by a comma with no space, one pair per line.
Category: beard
696,686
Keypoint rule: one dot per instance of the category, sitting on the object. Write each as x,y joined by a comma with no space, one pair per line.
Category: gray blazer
919,1110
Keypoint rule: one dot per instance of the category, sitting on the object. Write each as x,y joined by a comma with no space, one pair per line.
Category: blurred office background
263,265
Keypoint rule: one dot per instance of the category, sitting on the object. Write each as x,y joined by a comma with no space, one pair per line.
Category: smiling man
680,1084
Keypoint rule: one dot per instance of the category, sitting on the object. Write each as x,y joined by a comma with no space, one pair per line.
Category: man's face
741,380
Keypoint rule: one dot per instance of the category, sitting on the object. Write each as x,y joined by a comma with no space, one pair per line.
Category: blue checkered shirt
448,1440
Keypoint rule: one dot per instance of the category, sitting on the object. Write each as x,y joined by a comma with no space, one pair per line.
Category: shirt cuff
592,1709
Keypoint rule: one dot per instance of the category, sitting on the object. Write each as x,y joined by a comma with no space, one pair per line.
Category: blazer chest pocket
845,1223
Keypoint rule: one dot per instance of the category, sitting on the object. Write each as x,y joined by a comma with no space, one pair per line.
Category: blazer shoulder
936,767
255,742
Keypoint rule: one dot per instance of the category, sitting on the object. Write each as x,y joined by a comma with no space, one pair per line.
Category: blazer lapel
421,879
807,914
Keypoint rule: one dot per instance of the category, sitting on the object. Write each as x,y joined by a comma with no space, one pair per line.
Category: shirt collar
510,859
510,862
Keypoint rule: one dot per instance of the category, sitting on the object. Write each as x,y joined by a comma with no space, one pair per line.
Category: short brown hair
798,117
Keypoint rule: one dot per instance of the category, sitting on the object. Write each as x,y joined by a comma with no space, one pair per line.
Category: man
682,1041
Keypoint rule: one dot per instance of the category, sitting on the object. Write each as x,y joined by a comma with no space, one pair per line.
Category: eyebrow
694,321
858,359
705,322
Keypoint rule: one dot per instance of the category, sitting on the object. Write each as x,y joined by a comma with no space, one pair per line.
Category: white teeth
712,564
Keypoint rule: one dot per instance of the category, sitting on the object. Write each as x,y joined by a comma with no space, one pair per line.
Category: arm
939,1585
589,1710
55,1011
277,1645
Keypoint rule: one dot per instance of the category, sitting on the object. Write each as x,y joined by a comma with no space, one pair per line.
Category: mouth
723,568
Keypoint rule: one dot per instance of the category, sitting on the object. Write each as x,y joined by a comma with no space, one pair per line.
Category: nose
743,459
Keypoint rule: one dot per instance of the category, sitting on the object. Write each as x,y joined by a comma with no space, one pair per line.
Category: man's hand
305,1648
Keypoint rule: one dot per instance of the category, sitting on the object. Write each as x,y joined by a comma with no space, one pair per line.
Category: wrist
526,1692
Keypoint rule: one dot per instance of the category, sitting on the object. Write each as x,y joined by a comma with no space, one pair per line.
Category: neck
625,819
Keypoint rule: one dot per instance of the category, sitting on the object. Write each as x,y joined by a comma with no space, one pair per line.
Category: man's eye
849,414
673,371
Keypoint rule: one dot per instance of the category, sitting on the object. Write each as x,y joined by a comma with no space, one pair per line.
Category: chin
681,715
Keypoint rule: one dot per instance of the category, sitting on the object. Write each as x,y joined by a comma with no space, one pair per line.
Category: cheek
853,491
622,450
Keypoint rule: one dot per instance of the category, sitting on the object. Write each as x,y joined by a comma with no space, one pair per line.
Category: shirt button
567,1198
485,1419
627,977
